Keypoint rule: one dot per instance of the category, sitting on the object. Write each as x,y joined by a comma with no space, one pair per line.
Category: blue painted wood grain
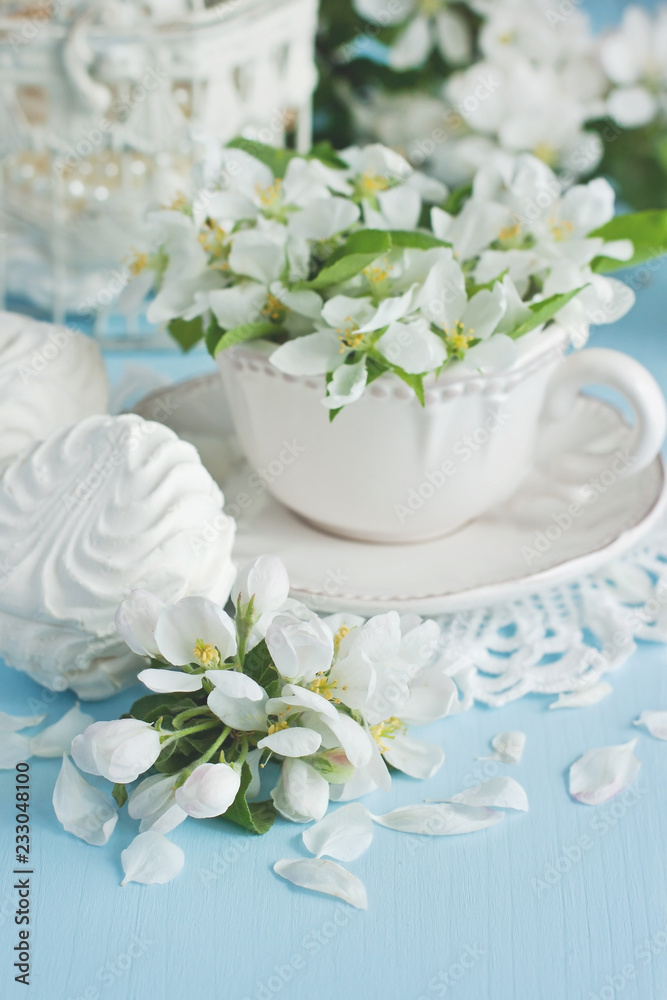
518,912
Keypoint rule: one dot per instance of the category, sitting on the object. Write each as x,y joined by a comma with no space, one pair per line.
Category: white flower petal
439,820
266,581
414,757
432,696
190,619
632,107
301,794
56,740
296,742
151,859
322,218
209,790
655,722
413,347
168,681
314,354
164,820
412,46
150,795
508,747
255,255
580,699
244,714
236,685
238,304
82,809
305,303
497,793
12,723
344,834
347,385
341,730
14,748
453,34
293,696
136,619
323,876
600,774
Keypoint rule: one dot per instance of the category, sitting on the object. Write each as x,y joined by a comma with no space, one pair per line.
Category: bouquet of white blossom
330,700
356,265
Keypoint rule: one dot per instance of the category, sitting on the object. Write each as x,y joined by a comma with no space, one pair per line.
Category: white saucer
495,558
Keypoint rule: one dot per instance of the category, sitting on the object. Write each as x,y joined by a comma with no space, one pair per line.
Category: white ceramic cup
387,470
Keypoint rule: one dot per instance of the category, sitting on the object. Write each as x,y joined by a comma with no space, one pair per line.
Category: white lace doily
563,639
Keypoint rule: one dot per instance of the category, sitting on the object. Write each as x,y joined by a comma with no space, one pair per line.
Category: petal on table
344,834
324,876
151,859
602,773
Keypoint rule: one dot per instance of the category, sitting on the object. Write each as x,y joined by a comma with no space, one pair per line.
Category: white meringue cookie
50,376
95,511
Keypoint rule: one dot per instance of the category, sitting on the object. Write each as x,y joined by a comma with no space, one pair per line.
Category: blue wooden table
565,903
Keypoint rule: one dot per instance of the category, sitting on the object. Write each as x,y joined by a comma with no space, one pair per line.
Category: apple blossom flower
120,750
437,25
209,790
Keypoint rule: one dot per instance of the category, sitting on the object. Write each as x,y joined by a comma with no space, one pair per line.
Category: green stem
244,752
209,753
189,713
192,729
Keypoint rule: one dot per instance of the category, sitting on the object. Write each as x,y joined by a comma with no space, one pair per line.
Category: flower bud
209,791
120,750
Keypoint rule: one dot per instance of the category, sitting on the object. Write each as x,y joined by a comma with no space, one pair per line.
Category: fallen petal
497,793
508,747
324,876
56,740
655,722
580,699
414,757
12,723
602,773
344,834
151,859
83,809
168,681
14,748
441,820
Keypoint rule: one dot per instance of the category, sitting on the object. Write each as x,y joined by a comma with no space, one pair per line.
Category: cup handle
632,380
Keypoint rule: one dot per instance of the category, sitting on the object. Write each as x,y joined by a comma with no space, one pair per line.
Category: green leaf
648,232
187,332
259,666
241,335
257,817
544,311
416,382
155,706
359,250
119,793
274,157
457,198
175,756
376,366
334,413
326,153
415,239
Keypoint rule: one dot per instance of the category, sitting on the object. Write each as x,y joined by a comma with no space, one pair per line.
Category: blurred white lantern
109,106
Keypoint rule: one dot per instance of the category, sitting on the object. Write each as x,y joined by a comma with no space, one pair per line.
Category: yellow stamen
562,230
274,309
269,195
386,730
277,727
339,636
138,263
206,654
509,232
370,184
547,153
322,685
